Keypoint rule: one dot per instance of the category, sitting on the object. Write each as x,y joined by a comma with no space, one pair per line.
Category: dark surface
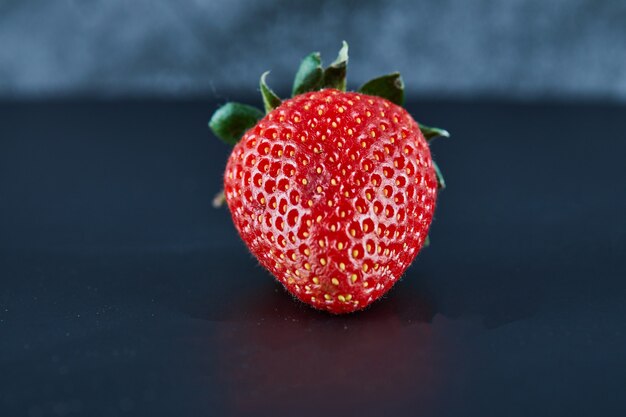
122,292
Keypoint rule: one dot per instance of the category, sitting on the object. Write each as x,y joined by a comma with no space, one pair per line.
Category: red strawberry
332,191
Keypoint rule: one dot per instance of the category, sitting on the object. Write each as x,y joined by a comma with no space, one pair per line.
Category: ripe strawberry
332,191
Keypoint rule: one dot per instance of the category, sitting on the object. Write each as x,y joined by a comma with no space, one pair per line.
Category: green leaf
270,99
309,75
335,74
232,120
426,242
441,183
390,87
431,133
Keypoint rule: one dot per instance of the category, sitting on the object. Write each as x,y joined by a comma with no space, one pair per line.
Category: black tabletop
122,292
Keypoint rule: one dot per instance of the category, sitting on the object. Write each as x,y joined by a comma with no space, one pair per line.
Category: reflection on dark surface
286,356
284,364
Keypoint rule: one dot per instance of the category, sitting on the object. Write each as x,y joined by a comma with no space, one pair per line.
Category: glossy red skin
333,193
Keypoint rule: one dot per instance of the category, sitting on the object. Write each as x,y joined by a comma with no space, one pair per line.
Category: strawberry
332,191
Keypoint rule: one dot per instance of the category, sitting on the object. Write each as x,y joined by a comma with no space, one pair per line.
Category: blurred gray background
528,49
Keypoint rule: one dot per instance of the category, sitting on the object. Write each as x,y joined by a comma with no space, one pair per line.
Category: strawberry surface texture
333,192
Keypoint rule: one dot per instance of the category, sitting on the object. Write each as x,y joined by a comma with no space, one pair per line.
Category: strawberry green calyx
270,99
431,133
335,74
441,183
309,76
232,120
390,87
